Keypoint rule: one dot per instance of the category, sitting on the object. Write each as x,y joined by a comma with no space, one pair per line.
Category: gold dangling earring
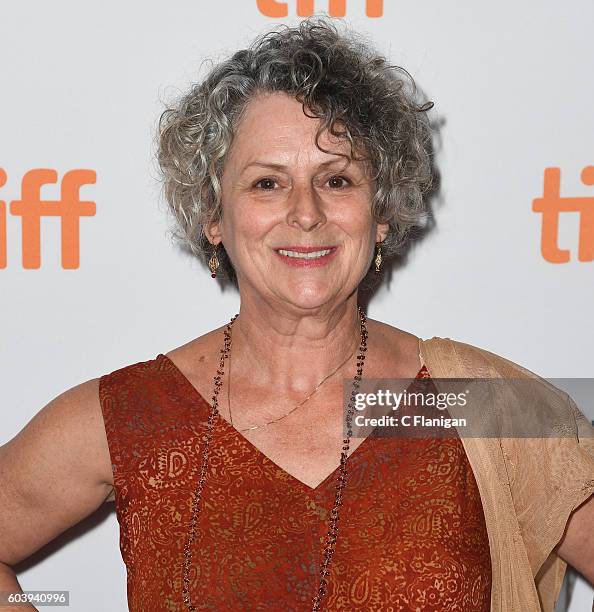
214,263
378,258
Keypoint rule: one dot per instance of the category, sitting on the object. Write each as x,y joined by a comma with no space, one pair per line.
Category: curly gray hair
339,79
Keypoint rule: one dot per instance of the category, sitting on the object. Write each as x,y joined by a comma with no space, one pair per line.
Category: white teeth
312,255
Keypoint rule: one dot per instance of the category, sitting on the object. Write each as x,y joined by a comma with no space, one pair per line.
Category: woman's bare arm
9,583
53,473
577,544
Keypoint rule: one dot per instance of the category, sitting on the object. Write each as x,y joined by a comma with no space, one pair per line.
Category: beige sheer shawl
528,486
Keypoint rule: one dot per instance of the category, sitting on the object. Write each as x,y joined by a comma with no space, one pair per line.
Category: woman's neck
292,350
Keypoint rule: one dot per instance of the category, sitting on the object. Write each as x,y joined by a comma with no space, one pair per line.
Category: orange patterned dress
412,534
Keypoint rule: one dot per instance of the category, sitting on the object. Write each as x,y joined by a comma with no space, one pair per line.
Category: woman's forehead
274,128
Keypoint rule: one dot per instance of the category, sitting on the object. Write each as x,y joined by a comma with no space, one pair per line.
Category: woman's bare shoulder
396,347
198,354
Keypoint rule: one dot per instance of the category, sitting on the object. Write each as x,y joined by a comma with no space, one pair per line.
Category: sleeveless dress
411,533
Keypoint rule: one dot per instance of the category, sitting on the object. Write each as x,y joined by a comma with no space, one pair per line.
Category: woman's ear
213,232
381,232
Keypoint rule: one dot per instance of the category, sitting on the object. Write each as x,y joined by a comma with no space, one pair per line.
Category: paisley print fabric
412,534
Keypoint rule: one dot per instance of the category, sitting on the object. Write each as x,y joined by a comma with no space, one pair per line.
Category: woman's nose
305,209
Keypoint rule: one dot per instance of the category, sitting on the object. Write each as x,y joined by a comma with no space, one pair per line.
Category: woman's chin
309,295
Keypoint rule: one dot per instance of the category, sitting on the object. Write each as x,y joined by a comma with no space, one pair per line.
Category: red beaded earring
214,263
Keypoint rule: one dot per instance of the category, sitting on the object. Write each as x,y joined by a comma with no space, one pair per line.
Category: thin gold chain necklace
332,534
301,403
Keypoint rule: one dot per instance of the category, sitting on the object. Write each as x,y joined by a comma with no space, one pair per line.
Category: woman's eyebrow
283,167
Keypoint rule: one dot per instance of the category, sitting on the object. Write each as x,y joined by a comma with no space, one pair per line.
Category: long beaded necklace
332,534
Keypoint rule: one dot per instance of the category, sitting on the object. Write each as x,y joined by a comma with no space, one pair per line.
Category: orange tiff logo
30,208
305,8
551,204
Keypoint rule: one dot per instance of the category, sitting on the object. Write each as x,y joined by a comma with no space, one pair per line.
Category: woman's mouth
306,256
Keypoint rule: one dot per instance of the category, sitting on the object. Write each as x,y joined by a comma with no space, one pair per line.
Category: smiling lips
306,256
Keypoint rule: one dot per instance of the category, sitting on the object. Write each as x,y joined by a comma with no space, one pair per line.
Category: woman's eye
338,181
267,184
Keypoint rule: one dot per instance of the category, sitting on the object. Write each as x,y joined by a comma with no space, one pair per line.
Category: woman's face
296,221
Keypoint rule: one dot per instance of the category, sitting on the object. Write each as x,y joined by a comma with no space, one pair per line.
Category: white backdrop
83,84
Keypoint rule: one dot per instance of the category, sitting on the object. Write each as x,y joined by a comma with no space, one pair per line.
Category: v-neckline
243,440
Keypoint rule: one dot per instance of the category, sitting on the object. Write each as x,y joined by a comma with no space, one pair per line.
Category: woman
294,169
